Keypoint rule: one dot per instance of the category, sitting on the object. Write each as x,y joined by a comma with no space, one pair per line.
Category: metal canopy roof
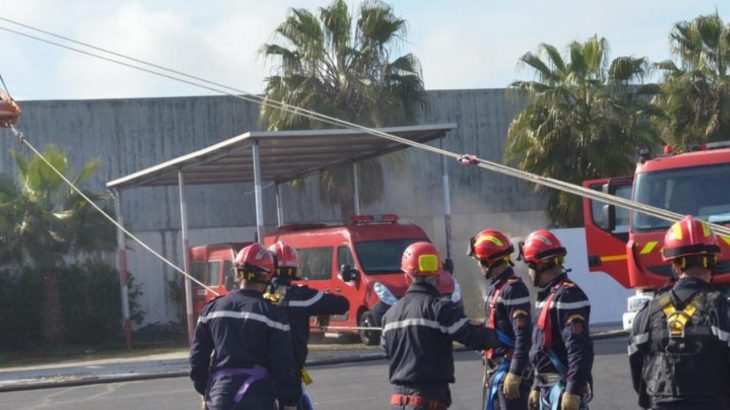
284,155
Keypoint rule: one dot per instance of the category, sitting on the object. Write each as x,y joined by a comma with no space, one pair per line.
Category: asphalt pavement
357,386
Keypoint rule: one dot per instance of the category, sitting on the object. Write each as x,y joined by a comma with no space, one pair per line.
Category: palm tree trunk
53,329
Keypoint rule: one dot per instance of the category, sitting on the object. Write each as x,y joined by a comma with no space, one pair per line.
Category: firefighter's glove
511,386
570,402
533,401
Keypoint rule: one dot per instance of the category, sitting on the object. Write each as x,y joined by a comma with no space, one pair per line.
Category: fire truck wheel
368,337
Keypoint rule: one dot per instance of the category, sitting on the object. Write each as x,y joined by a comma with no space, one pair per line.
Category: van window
383,256
344,257
315,263
214,276
197,269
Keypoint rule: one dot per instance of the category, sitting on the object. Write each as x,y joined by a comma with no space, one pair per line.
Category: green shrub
90,304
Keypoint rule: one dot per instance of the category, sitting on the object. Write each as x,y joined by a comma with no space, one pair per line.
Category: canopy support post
257,191
186,257
356,187
122,268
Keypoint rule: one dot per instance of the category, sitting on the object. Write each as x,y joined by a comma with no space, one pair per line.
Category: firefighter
250,341
508,312
300,303
562,349
678,347
418,335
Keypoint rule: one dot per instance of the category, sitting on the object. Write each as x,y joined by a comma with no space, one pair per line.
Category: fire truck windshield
700,191
382,256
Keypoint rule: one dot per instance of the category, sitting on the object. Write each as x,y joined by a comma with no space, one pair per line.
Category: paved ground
358,386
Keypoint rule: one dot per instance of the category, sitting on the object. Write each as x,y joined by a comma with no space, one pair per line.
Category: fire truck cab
627,245
360,261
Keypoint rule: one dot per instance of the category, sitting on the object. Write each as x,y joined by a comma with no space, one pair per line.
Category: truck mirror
609,217
348,273
449,265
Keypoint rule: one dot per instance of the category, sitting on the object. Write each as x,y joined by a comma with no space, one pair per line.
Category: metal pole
186,257
122,267
447,201
279,205
356,187
257,192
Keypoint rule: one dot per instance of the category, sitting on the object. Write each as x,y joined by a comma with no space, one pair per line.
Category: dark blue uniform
562,349
690,367
300,304
251,346
418,335
508,312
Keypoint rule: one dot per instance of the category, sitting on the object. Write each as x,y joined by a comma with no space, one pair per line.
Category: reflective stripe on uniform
565,305
636,341
306,303
721,334
512,302
244,316
427,323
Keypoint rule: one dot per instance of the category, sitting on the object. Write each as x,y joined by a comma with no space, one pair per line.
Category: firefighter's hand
570,402
202,405
533,401
511,386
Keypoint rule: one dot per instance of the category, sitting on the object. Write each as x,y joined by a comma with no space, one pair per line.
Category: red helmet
255,263
421,259
491,247
689,237
286,258
542,249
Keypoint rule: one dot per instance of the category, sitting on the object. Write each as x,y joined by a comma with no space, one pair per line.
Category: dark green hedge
90,304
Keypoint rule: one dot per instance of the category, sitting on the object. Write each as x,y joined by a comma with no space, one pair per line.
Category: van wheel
368,337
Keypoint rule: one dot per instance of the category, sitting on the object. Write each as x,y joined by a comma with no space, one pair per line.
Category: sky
460,43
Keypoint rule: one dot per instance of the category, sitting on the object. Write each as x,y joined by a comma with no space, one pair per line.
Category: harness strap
417,401
677,319
544,322
504,339
255,373
496,382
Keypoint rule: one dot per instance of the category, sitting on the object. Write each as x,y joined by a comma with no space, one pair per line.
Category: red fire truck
360,261
627,245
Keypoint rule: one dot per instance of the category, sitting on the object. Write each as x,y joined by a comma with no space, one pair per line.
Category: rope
23,140
482,163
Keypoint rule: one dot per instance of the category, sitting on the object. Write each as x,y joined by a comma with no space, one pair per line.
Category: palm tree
695,92
340,65
585,119
42,221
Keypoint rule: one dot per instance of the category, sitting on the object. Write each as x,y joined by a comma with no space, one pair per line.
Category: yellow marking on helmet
677,230
726,239
490,238
648,247
706,229
428,263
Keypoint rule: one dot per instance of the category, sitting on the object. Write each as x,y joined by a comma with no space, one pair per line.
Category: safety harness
544,323
253,374
505,341
677,319
403,400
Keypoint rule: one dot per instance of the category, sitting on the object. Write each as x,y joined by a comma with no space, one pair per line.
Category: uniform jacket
242,329
693,370
418,335
301,303
511,316
569,315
